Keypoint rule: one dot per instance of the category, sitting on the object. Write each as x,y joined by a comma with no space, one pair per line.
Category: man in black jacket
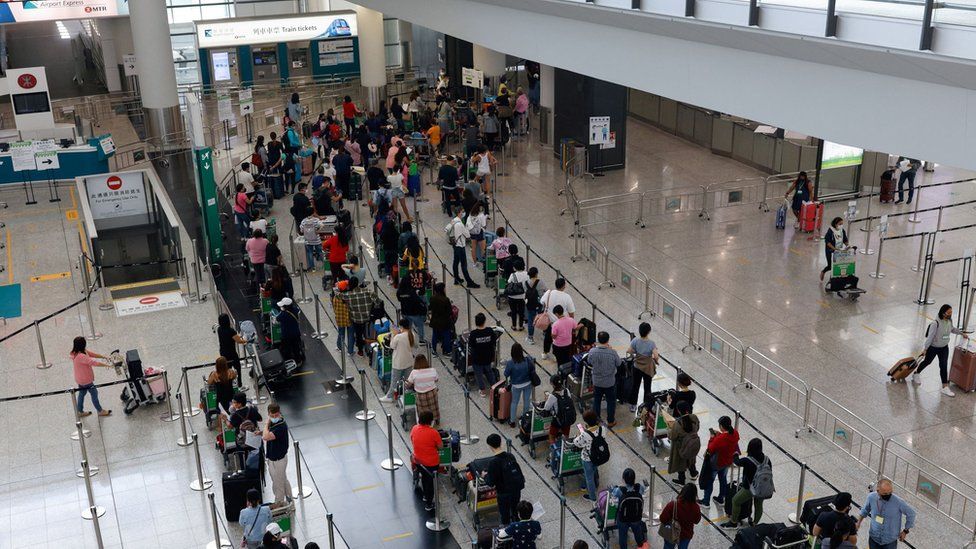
505,474
301,206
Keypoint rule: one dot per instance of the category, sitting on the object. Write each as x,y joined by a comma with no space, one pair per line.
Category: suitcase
308,164
962,372
500,400
754,537
903,368
272,364
888,186
235,487
812,509
459,354
811,216
134,364
792,536
625,383
746,509
781,216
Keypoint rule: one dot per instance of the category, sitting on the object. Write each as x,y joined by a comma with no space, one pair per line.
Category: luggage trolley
538,429
565,461
605,514
842,280
582,387
382,358
656,426
482,499
769,544
406,402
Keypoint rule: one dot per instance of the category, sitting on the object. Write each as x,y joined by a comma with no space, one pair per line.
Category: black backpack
512,478
630,508
599,449
532,297
565,414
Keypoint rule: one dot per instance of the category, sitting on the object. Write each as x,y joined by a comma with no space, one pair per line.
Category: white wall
883,111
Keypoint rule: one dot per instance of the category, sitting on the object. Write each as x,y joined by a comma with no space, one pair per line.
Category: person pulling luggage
757,484
722,446
835,240
505,474
804,191
829,520
559,404
937,345
83,362
291,332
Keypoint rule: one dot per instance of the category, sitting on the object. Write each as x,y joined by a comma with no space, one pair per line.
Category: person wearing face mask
275,437
804,191
885,511
834,241
937,345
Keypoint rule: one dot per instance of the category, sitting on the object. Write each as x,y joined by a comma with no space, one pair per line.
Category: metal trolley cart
481,499
842,280
406,403
656,426
581,388
538,429
605,514
566,461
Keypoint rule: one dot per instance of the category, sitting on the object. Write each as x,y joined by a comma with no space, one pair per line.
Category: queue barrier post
562,522
200,484
467,438
877,266
170,415
256,377
92,511
190,410
365,414
195,296
304,298
86,279
467,297
866,249
184,440
343,378
795,517
218,542
918,198
921,249
299,490
391,463
436,524
318,334
92,469
651,519
43,364
105,305
691,334
73,399
331,522
806,414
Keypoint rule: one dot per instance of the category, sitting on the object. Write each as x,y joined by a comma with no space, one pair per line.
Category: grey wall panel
703,128
686,121
791,157
742,143
763,150
722,135
808,158
669,114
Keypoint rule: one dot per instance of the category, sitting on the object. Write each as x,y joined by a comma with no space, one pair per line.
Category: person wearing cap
240,413
254,519
291,332
275,436
827,520
272,538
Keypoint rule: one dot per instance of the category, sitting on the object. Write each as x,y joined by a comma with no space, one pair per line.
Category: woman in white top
485,162
423,379
477,220
404,346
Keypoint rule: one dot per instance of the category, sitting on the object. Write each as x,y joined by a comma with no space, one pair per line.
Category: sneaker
730,524
611,424
530,341
899,201
472,285
719,501
945,390
483,394
703,503
633,408
693,477
916,379
796,225
429,507
433,354
84,414
386,399
106,413
545,356
907,203
677,481
587,497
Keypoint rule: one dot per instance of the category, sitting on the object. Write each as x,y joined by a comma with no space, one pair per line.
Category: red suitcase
308,164
500,400
811,216
962,371
888,186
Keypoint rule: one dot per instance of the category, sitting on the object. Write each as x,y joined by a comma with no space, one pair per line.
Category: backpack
532,295
630,508
600,450
512,479
335,132
256,161
762,483
565,414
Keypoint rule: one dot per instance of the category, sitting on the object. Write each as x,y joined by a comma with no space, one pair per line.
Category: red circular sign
27,81
148,300
114,182
88,9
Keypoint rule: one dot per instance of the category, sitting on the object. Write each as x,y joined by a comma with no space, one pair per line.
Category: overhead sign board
113,195
49,10
241,32
472,78
148,303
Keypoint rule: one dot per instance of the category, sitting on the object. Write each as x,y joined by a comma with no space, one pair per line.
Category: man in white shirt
458,234
549,300
245,178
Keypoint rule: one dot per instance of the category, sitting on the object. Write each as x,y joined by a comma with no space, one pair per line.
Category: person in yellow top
434,136
413,256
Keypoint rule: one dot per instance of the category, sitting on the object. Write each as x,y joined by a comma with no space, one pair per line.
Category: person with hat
291,332
240,415
828,520
272,538
275,436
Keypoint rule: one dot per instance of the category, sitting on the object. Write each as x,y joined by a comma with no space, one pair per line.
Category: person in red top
722,447
349,112
685,511
336,247
84,361
426,443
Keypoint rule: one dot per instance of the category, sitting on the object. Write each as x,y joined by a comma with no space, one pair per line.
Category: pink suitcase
962,370
157,383
500,400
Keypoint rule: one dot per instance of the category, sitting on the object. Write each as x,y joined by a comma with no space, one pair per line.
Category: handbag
542,320
536,380
671,531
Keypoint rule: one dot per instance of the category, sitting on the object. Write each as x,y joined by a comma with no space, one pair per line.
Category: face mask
885,497
275,420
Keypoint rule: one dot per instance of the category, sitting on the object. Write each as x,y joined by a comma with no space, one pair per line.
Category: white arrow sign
129,65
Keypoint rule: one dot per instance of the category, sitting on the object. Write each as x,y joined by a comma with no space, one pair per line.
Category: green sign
409,399
843,264
446,455
571,460
540,423
209,208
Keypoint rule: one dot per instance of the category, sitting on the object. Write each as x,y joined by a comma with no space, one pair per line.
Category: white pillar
547,88
491,62
318,5
372,55
109,60
157,74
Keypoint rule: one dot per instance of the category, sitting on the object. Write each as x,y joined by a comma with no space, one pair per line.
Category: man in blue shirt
254,519
275,437
885,511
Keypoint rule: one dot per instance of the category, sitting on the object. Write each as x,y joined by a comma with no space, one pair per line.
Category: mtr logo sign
26,81
95,9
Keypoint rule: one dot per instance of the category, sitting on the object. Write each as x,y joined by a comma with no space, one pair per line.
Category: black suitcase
792,535
754,537
746,509
134,364
459,355
812,509
235,486
625,383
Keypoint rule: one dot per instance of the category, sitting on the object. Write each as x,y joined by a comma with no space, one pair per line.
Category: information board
116,195
600,130
22,156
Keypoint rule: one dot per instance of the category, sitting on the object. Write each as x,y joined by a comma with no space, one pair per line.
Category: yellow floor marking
307,373
10,261
367,487
717,519
341,444
319,407
795,251
71,215
52,276
890,263
880,293
141,284
743,261
576,492
398,536
870,329
926,316
806,496
77,219
621,430
74,201
824,304
29,213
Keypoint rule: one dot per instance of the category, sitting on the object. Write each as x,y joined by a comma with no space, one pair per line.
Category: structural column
372,55
157,77
547,101
111,65
491,62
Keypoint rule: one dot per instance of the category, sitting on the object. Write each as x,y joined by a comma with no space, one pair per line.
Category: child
524,531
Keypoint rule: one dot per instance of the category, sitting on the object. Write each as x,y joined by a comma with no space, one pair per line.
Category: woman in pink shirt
257,247
521,112
562,336
84,361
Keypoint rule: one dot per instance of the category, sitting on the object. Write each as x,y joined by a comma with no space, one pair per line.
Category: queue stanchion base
87,515
305,492
92,471
196,486
224,544
388,465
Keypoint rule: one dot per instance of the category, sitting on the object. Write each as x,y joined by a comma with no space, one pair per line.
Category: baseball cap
273,529
285,302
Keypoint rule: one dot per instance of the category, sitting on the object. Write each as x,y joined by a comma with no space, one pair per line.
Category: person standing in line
294,108
535,287
335,248
256,248
908,168
525,530
309,227
426,442
254,519
515,292
227,341
886,511
722,447
447,180
360,301
584,441
242,204
751,465
550,299
441,321
222,380
505,474
937,336
803,188
604,361
342,162
518,371
345,334
477,220
559,405
481,354
829,520
630,509
83,362
458,234
349,112
685,443
682,395
275,437
686,512
412,307
423,380
645,354
844,535
404,347
561,333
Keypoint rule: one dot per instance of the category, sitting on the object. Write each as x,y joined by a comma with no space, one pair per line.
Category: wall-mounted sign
472,78
129,66
836,155
240,32
246,101
48,10
600,130
115,195
22,156
29,95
